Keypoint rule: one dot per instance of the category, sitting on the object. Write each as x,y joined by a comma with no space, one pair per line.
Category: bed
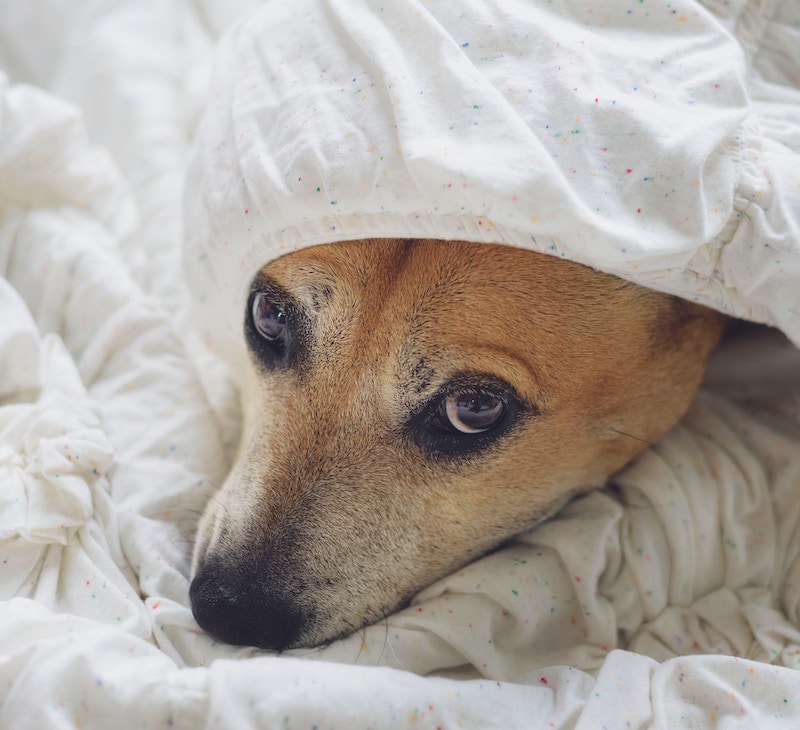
671,598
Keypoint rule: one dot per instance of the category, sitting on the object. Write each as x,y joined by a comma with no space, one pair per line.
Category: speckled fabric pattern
669,599
631,136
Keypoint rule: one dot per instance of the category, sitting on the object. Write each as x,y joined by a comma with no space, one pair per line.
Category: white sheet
668,601
638,140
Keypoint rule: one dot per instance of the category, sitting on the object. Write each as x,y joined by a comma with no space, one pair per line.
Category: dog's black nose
239,611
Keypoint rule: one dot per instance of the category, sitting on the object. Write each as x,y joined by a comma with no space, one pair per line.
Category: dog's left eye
470,411
269,318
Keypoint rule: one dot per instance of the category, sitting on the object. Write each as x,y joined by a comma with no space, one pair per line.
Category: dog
410,405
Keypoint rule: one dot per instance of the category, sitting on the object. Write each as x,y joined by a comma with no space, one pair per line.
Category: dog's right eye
276,326
268,318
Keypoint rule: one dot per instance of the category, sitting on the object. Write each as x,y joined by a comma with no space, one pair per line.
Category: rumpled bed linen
669,599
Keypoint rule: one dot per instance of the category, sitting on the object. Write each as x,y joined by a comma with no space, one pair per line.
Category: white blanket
671,599
643,141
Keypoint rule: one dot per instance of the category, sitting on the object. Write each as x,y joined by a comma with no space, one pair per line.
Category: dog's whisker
652,444
631,436
385,622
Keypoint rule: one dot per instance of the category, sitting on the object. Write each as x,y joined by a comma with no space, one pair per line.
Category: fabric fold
658,143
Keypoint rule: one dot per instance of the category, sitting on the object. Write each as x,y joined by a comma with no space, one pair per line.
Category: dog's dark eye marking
276,325
470,411
268,317
468,416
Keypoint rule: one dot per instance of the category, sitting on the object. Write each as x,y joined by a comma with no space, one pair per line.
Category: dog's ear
699,327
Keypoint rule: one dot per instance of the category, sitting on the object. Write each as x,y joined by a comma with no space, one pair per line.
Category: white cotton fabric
670,599
629,136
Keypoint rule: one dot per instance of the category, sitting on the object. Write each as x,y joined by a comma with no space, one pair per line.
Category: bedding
668,153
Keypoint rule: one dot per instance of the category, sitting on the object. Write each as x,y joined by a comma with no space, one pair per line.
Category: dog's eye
468,416
269,318
470,411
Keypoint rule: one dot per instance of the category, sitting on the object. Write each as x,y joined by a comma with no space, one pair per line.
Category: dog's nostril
237,612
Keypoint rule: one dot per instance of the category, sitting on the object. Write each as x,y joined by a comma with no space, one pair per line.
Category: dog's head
411,405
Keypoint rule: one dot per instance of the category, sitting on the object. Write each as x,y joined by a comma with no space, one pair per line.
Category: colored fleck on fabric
656,140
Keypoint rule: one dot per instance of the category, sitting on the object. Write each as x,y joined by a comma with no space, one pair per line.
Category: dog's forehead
466,296
419,312
420,293
424,277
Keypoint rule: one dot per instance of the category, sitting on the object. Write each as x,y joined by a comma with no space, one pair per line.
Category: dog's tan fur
342,505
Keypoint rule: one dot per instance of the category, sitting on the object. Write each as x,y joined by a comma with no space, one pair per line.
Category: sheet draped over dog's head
624,134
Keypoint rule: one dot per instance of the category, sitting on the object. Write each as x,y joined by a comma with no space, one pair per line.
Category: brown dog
413,404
